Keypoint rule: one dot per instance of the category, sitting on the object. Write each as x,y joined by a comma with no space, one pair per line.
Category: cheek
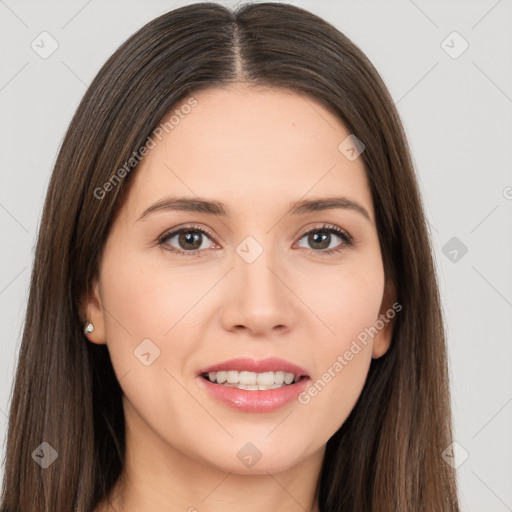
347,301
342,355
149,338
148,300
146,311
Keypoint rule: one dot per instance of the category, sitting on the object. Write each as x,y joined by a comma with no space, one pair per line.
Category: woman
233,300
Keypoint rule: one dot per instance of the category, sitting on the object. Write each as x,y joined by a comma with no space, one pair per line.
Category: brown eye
323,240
319,239
188,240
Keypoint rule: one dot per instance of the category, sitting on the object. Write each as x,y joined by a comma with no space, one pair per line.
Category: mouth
251,374
252,381
254,385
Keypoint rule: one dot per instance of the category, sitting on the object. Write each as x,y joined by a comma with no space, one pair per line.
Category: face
262,292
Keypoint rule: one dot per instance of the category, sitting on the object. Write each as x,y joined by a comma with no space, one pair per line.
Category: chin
255,455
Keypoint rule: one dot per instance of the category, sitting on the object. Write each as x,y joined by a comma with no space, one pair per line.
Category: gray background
457,115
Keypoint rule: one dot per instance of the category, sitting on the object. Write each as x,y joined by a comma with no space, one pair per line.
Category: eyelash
327,228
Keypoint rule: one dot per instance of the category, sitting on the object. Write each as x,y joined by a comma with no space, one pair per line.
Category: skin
257,150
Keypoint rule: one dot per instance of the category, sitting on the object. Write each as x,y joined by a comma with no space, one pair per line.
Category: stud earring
88,328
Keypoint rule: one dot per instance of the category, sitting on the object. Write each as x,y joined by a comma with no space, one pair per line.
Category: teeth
233,377
221,377
248,378
255,387
251,380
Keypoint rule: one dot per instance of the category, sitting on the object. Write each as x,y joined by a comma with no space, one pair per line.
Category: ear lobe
91,310
385,322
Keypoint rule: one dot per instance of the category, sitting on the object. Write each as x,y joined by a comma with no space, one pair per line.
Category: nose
258,299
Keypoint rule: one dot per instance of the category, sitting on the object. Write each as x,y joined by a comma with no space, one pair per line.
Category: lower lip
255,401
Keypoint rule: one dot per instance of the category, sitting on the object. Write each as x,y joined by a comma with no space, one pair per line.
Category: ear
91,310
385,321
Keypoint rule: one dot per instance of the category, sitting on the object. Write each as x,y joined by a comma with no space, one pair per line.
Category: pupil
190,237
323,236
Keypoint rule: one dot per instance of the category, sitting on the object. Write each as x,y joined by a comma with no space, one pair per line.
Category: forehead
250,147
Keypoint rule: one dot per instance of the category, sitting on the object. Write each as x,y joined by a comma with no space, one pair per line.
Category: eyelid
326,226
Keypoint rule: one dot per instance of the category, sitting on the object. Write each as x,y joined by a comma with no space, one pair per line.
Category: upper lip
270,364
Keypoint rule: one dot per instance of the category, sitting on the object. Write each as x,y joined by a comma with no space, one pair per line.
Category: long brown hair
387,455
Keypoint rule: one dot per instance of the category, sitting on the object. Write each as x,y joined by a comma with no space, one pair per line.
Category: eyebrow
200,205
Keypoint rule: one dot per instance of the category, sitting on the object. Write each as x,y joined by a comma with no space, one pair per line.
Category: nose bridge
260,300
256,266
